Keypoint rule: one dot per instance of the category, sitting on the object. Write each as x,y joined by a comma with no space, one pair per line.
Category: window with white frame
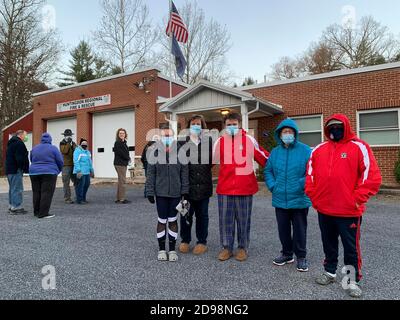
310,129
380,128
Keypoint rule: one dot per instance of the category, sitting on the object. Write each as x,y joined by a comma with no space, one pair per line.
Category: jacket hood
46,138
287,123
348,131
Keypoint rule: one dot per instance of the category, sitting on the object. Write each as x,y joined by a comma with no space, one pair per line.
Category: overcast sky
262,30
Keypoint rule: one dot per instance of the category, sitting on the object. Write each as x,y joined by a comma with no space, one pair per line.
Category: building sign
84,103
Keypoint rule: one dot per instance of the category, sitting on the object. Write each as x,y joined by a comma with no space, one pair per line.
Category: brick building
140,101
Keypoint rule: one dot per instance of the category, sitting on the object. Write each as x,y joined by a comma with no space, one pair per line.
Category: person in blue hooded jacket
285,177
46,165
83,168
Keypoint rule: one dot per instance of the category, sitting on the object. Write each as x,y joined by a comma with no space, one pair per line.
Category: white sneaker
162,256
49,216
173,256
354,290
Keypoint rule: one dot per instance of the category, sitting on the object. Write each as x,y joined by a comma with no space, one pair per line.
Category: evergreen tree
84,66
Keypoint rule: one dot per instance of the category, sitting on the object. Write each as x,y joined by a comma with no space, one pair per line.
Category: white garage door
105,126
57,127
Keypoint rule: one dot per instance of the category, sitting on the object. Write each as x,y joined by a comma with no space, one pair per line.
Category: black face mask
84,147
336,133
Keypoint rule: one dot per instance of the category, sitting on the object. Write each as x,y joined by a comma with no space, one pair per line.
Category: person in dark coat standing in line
67,148
17,163
144,158
121,162
199,152
47,163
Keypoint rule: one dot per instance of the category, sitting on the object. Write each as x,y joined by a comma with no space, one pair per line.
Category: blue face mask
195,130
288,138
232,130
167,140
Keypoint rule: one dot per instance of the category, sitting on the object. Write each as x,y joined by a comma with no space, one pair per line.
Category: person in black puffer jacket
121,162
199,151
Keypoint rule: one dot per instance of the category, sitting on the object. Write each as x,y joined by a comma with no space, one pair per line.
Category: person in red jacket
342,175
235,151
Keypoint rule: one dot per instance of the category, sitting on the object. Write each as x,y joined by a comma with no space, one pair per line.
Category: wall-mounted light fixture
142,85
225,112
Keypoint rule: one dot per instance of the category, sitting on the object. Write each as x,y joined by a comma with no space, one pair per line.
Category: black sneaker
302,265
125,202
282,260
18,212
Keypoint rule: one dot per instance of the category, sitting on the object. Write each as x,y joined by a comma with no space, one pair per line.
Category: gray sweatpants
67,177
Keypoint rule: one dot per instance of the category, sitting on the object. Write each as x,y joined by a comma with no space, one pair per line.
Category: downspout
255,110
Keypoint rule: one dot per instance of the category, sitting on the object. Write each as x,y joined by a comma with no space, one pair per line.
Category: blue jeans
199,209
82,188
16,190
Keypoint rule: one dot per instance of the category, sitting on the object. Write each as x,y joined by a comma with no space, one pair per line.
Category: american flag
177,26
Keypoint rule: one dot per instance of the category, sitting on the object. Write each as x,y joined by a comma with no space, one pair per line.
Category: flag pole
170,46
173,121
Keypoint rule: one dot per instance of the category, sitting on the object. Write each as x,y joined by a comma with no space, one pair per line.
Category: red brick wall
164,90
25,123
124,95
345,94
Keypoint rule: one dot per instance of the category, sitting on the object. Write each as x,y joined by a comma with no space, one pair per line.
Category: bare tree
368,44
28,55
205,51
342,47
287,68
125,35
321,58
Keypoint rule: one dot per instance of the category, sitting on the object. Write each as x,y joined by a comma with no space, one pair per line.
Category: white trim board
339,73
16,121
77,85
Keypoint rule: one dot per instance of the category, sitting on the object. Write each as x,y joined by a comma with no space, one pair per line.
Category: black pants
296,218
43,187
348,229
199,209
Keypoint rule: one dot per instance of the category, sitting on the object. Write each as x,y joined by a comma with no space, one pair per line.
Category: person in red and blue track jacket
342,175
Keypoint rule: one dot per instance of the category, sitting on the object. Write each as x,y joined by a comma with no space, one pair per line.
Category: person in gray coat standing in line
167,183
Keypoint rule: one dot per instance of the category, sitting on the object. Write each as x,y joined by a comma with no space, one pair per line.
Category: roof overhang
241,97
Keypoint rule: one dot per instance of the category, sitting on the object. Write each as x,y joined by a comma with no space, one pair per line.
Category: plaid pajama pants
235,210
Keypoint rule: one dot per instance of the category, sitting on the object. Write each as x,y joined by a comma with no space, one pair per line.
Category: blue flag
180,61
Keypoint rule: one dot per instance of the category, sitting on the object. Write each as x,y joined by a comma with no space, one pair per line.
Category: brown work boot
241,255
184,248
200,249
225,255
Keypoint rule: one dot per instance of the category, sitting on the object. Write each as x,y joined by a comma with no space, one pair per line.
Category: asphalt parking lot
108,251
